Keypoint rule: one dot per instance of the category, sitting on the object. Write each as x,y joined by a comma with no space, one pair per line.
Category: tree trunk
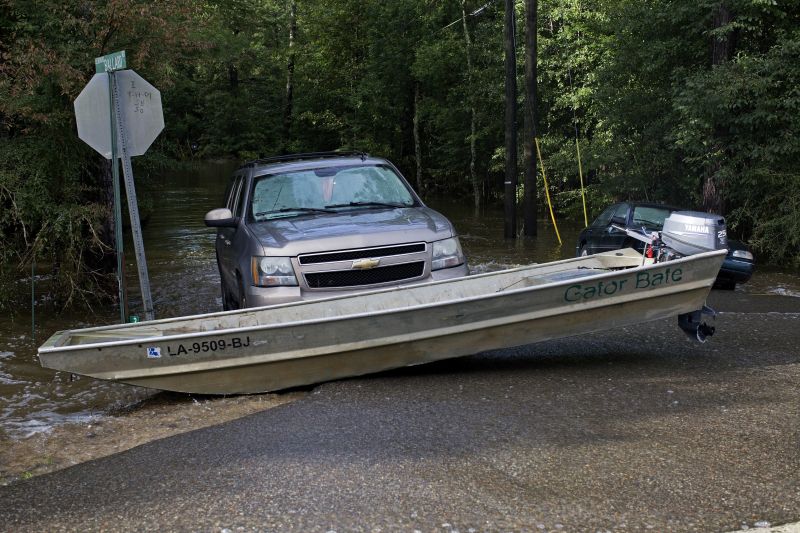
476,190
287,110
722,48
417,143
233,78
529,120
510,227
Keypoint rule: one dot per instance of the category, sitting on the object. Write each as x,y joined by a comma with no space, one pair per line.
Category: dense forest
693,103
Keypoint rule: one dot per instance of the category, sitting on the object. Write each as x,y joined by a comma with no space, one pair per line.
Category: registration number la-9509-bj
213,345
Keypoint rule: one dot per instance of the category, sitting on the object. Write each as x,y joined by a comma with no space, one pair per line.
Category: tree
510,230
529,118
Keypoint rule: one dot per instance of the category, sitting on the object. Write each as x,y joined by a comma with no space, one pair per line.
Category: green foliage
754,100
52,202
632,80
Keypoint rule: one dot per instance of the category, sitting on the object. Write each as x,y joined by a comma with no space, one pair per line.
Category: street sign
119,114
140,103
110,62
93,115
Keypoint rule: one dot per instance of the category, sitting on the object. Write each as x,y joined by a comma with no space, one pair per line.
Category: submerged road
630,430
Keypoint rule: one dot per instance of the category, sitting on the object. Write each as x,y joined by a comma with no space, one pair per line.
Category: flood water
184,281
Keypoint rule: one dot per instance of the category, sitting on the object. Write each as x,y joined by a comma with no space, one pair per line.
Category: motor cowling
694,232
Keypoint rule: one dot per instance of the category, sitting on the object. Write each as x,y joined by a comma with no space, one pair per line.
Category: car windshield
328,189
650,217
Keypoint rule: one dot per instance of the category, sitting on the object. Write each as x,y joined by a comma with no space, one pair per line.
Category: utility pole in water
510,189
529,120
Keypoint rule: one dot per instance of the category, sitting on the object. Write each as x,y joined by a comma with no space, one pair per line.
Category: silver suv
314,225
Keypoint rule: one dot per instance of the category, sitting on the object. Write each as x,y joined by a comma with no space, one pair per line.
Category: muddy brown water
185,281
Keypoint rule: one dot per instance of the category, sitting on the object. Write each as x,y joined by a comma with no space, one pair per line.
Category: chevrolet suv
315,225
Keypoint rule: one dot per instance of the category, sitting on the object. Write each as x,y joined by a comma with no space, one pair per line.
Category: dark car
602,236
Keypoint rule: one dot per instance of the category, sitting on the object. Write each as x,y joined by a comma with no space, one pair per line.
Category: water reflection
482,237
183,279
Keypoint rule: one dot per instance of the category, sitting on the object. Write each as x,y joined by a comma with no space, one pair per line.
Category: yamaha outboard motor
689,233
686,233
694,232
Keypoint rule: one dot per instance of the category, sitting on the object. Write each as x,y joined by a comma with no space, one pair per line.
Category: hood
357,228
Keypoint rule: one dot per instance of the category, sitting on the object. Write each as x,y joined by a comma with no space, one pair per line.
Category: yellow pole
546,189
583,191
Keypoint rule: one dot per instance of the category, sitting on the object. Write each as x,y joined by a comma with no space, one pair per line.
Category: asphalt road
634,429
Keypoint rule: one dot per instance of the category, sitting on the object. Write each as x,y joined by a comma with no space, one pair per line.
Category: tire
584,251
242,302
228,303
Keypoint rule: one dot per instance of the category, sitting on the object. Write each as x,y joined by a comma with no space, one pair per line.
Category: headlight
272,271
742,254
446,254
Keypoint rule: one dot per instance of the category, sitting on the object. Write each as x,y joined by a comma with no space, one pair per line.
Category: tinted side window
605,217
622,212
233,193
227,198
237,211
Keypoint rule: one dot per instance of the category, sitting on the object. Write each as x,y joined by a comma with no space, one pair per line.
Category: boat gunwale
612,254
44,349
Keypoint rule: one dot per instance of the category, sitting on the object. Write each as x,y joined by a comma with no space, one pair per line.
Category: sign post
119,59
119,114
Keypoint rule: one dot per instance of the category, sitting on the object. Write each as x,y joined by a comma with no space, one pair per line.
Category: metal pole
133,206
529,129
510,189
33,298
117,201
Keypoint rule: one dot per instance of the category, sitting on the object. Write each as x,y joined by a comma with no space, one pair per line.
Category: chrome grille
349,255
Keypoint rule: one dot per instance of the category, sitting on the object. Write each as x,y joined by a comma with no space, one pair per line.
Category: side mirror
620,221
221,218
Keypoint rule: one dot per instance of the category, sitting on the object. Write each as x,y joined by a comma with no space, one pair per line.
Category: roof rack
309,155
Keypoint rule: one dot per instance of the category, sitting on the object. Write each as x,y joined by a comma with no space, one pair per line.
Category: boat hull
383,330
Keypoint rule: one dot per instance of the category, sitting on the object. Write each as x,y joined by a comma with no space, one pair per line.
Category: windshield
650,217
328,189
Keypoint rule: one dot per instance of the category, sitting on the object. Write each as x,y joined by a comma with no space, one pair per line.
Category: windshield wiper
293,210
368,204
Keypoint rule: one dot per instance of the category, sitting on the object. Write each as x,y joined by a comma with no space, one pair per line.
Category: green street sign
110,62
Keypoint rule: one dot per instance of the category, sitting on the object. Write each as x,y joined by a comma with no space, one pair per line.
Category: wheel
228,303
584,252
242,303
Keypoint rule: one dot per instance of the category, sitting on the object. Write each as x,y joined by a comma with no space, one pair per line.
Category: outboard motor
686,233
689,233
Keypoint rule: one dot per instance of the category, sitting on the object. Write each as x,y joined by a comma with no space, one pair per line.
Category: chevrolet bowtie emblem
365,264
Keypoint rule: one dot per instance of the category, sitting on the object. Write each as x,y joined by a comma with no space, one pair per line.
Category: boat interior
366,302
